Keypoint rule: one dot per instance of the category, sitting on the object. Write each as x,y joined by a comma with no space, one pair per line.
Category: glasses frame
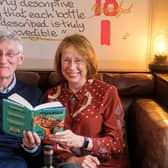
10,54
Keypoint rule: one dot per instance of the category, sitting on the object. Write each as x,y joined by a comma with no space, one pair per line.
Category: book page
19,99
48,105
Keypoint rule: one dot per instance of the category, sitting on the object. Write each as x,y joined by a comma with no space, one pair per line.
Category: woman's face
74,68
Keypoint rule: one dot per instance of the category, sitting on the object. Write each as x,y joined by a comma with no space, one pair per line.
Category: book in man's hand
44,119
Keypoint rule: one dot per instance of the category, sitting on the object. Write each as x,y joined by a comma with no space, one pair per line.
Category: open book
44,119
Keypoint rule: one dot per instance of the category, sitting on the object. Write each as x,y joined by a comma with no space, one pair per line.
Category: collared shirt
10,87
94,111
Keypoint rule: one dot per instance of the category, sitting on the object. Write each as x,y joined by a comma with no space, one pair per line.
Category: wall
118,29
159,25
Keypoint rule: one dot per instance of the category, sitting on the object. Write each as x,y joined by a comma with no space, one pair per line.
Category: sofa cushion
52,79
132,84
148,133
28,77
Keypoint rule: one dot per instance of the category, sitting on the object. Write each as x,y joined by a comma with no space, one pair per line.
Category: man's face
10,57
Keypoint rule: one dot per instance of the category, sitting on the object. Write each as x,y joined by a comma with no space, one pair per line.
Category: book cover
44,119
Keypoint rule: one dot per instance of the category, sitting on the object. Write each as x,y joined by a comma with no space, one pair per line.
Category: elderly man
15,151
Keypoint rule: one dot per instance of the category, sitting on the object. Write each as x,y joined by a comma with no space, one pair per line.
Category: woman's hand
87,161
67,138
31,140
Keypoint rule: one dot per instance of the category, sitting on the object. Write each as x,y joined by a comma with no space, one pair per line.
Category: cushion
131,84
31,78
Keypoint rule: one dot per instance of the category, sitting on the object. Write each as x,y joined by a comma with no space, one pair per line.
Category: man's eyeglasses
10,54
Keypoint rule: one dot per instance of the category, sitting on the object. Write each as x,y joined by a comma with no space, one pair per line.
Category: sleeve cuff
29,150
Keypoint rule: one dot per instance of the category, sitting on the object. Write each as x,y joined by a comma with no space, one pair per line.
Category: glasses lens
9,54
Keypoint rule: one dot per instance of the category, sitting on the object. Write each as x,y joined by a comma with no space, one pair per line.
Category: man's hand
31,140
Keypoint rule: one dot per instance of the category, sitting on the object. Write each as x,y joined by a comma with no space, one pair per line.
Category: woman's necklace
73,99
75,90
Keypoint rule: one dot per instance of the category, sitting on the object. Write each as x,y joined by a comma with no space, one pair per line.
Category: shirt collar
10,87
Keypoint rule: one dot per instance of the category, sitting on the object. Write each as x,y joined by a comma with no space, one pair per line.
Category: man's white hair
7,35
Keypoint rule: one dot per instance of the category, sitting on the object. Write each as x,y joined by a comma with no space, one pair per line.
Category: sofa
146,117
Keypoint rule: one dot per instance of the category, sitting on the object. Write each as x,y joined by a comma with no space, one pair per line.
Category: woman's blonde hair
85,49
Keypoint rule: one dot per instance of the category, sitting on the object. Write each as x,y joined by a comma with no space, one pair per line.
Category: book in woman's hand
44,119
